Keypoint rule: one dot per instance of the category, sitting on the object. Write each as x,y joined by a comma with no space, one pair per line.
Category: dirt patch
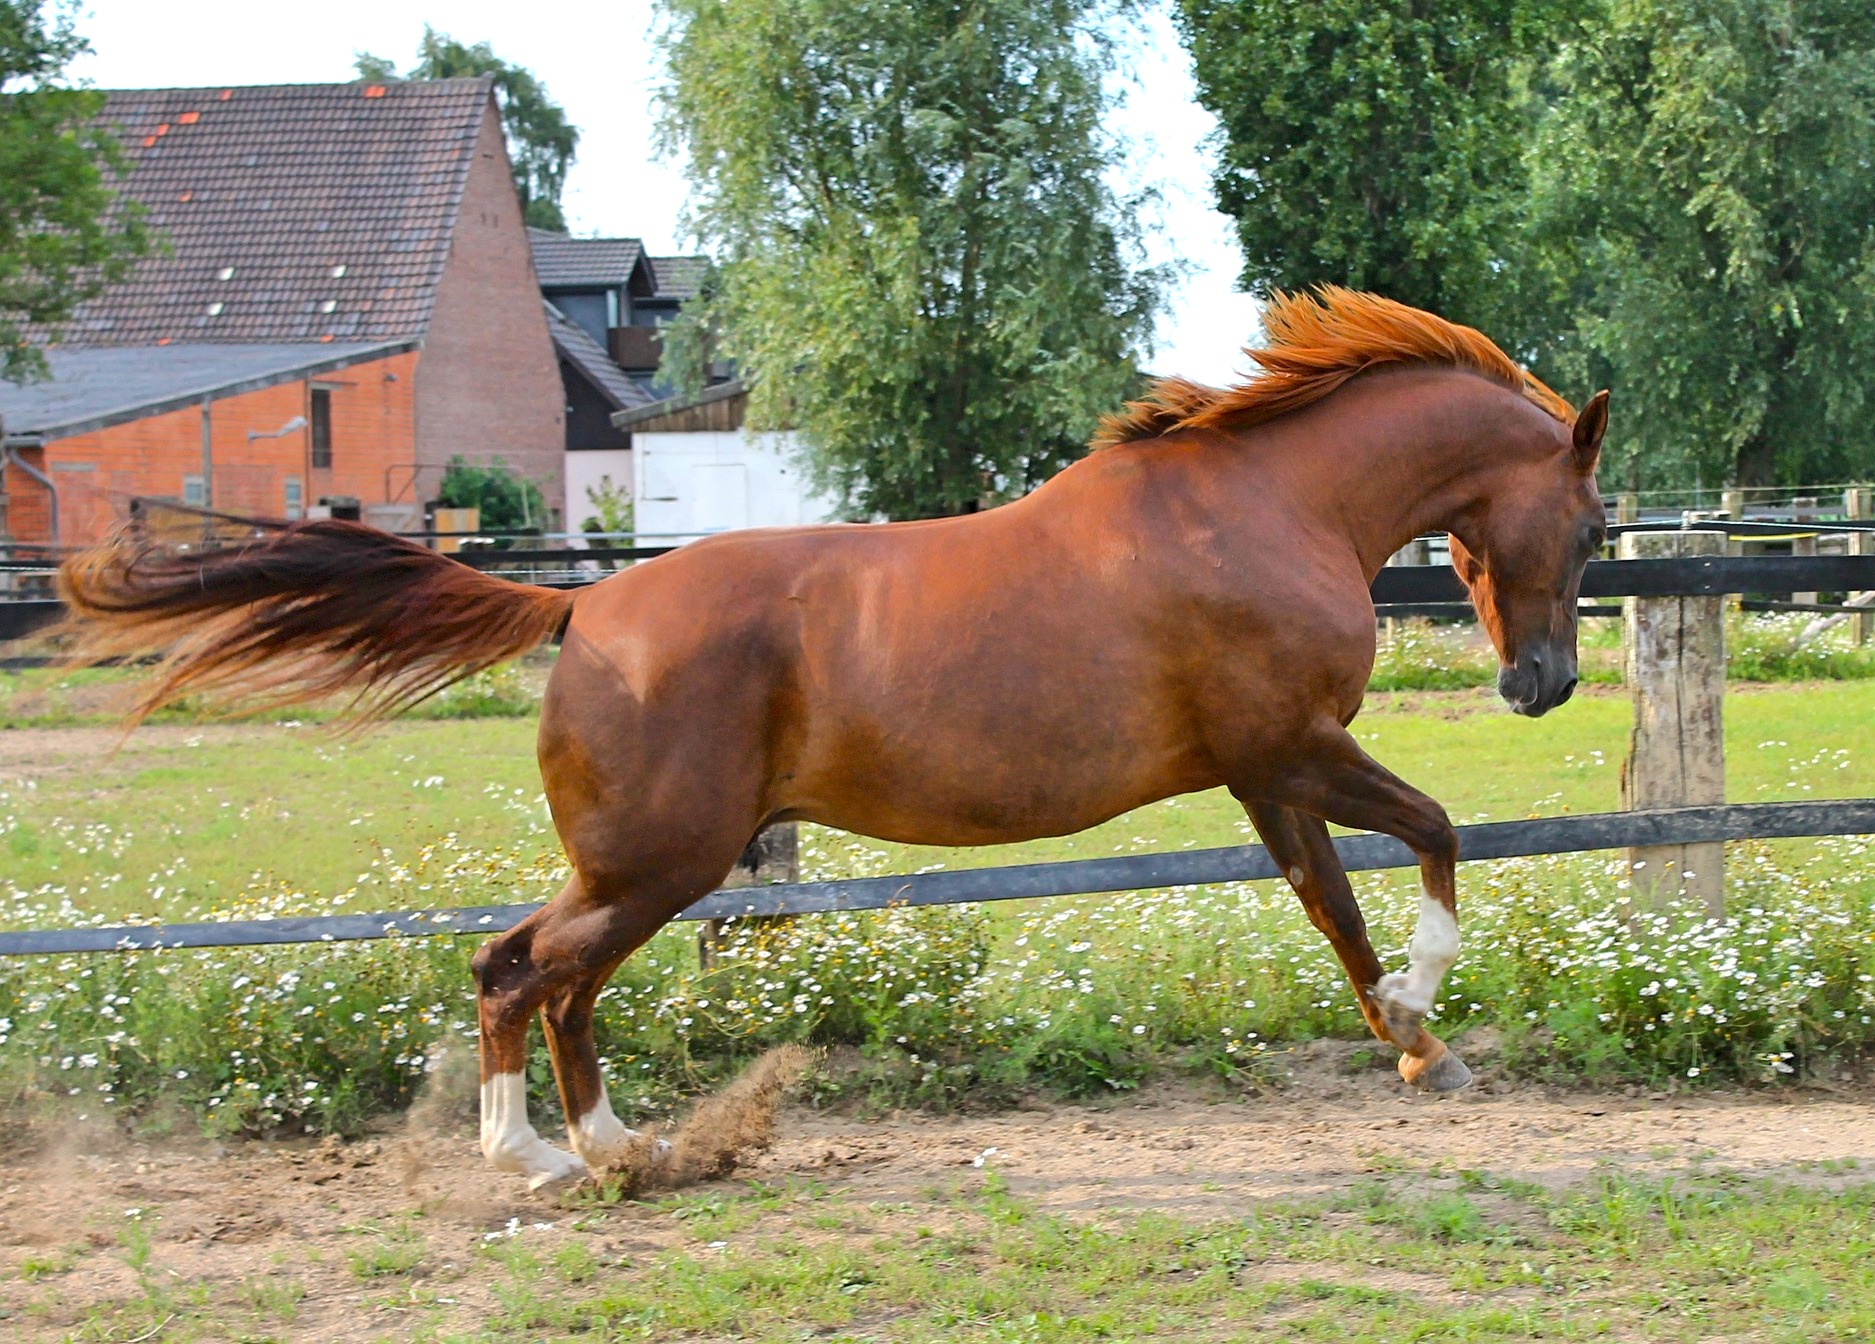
724,1131
230,1216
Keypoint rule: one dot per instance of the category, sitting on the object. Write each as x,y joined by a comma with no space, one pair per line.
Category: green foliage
1702,192
1419,656
64,235
612,508
1668,198
1772,648
541,141
499,693
923,268
506,498
1378,145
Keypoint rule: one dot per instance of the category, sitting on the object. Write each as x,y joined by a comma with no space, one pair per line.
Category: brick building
347,301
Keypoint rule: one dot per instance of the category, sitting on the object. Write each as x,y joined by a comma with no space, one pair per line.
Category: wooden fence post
1628,508
1803,510
1732,505
773,856
1674,649
1859,503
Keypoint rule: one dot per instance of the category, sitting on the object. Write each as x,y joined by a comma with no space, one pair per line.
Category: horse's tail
304,611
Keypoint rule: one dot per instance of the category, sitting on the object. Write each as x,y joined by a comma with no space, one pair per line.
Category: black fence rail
1398,590
1434,590
1082,877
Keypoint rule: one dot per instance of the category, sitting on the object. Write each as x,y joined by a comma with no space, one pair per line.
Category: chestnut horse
1184,608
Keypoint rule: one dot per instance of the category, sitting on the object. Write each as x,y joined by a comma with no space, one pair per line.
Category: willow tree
1381,144
922,267
65,234
1709,171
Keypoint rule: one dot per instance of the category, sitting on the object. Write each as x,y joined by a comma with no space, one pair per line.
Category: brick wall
373,437
28,512
488,383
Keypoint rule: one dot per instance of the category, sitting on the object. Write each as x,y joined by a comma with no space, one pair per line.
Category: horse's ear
1590,426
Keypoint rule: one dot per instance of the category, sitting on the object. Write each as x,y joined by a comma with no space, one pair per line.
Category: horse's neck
1406,461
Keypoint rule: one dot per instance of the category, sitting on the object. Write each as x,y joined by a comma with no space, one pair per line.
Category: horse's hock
1674,652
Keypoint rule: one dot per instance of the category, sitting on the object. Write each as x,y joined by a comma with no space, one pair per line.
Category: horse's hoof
560,1176
1442,1071
1402,1022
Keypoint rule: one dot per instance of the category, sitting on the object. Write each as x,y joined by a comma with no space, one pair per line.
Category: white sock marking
599,1136
509,1141
1429,956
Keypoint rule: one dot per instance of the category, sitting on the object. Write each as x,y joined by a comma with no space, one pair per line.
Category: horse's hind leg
642,898
514,973
555,962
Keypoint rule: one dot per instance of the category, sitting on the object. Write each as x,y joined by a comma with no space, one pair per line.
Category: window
192,493
295,497
321,428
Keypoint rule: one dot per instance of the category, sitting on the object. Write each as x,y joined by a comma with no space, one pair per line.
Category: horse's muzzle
1538,681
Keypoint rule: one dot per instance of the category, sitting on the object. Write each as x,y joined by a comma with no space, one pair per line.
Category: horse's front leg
1334,780
1303,850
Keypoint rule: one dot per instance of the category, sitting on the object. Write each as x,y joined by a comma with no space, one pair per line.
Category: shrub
1768,648
1417,655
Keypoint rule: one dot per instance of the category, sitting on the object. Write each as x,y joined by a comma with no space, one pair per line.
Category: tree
921,265
507,499
541,141
1706,176
1377,143
64,233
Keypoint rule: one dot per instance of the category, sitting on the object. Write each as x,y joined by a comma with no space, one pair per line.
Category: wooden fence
1080,877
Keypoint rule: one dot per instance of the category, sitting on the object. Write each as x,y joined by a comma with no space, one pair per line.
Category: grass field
187,817
1080,995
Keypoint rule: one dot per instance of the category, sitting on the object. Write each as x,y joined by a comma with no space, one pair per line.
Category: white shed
695,470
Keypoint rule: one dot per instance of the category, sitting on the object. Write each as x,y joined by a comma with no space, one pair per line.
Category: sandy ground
227,1214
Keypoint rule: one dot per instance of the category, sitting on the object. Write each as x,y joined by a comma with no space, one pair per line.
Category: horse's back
967,679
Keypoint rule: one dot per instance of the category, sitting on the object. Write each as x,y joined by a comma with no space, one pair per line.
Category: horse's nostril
1569,689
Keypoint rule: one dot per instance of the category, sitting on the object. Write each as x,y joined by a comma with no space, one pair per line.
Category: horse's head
1523,555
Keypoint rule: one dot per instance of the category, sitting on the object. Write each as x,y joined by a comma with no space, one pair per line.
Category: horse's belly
1007,792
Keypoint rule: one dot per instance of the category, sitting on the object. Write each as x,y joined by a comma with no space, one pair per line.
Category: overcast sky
597,61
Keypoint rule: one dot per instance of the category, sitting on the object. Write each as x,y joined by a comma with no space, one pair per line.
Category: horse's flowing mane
1317,341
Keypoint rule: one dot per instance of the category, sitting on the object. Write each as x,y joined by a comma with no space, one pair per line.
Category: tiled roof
308,212
562,261
638,417
584,353
96,386
679,277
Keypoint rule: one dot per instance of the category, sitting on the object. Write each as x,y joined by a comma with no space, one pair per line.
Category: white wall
715,481
587,468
